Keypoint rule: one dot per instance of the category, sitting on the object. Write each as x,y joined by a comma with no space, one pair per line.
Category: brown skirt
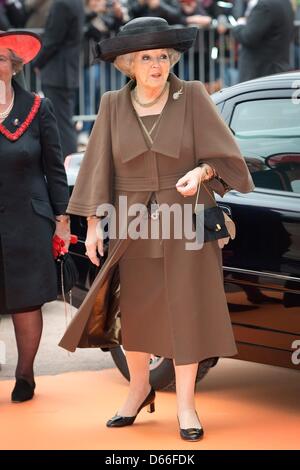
152,323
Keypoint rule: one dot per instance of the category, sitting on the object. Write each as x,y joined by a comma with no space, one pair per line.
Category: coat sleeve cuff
59,208
217,183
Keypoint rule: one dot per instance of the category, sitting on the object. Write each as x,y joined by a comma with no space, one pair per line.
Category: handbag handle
198,191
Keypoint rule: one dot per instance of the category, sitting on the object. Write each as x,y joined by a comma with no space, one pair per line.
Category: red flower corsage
58,245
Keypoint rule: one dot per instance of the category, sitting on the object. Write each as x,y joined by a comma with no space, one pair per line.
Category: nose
156,61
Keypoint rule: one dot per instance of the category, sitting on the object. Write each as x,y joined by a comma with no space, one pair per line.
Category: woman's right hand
94,241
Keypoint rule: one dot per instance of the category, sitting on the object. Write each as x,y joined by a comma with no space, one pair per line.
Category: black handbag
212,221
67,273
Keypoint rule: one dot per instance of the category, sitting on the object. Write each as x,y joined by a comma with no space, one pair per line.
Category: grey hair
16,61
124,62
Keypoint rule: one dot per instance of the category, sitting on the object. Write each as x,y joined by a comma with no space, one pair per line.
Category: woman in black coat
33,201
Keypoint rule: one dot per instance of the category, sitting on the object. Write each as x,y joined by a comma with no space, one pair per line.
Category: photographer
102,17
12,14
167,9
265,39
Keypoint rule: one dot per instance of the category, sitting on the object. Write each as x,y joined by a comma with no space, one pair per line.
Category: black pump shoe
22,391
191,434
118,421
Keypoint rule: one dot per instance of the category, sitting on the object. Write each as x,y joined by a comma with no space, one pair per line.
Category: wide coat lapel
172,118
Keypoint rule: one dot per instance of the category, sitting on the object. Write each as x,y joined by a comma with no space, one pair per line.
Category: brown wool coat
120,161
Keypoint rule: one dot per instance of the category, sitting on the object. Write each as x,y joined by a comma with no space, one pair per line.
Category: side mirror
283,159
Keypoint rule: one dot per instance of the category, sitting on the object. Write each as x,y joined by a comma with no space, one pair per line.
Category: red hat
24,43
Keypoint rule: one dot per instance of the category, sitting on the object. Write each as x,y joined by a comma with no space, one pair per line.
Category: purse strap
198,191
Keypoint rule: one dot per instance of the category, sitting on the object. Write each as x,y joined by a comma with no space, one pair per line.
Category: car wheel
162,375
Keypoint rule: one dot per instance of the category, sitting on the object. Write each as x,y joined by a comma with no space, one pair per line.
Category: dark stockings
28,329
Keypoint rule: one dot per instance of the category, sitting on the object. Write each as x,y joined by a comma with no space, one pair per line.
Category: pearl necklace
5,113
151,103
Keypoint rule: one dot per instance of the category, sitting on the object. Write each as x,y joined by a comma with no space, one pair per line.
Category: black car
262,264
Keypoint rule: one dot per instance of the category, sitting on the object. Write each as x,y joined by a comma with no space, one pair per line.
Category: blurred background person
37,12
208,15
59,63
242,8
167,9
194,13
102,18
296,5
12,14
265,39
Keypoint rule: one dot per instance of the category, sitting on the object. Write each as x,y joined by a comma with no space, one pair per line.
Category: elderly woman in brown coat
154,141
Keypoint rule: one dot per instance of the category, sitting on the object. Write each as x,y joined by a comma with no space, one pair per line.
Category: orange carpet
241,406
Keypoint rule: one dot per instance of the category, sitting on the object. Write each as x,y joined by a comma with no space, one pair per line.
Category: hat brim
180,39
25,44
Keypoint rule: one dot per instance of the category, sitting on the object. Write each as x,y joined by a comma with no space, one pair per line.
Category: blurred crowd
105,16
263,31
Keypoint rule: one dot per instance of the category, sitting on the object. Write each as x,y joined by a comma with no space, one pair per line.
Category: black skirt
3,307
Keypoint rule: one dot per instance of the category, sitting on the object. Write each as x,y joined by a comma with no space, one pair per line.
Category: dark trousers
63,100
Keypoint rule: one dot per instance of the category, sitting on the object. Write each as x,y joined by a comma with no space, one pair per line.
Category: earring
14,73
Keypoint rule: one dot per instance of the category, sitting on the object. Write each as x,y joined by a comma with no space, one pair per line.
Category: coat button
2,208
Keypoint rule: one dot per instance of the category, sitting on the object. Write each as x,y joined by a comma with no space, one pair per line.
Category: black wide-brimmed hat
24,43
143,34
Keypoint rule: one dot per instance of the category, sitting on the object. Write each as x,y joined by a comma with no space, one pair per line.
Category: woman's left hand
187,185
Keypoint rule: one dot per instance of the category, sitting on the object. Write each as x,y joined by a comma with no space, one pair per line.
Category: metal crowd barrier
213,60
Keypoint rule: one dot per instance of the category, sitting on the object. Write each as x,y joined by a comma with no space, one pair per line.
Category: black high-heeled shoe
191,434
118,421
22,391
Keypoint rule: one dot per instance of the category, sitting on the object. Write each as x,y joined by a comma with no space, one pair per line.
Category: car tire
162,375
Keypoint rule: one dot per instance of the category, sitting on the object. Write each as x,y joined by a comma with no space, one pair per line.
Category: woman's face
6,69
97,6
188,6
151,68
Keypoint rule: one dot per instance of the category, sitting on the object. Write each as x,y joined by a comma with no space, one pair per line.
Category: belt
133,183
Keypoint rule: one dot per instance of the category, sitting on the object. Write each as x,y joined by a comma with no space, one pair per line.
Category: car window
268,134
